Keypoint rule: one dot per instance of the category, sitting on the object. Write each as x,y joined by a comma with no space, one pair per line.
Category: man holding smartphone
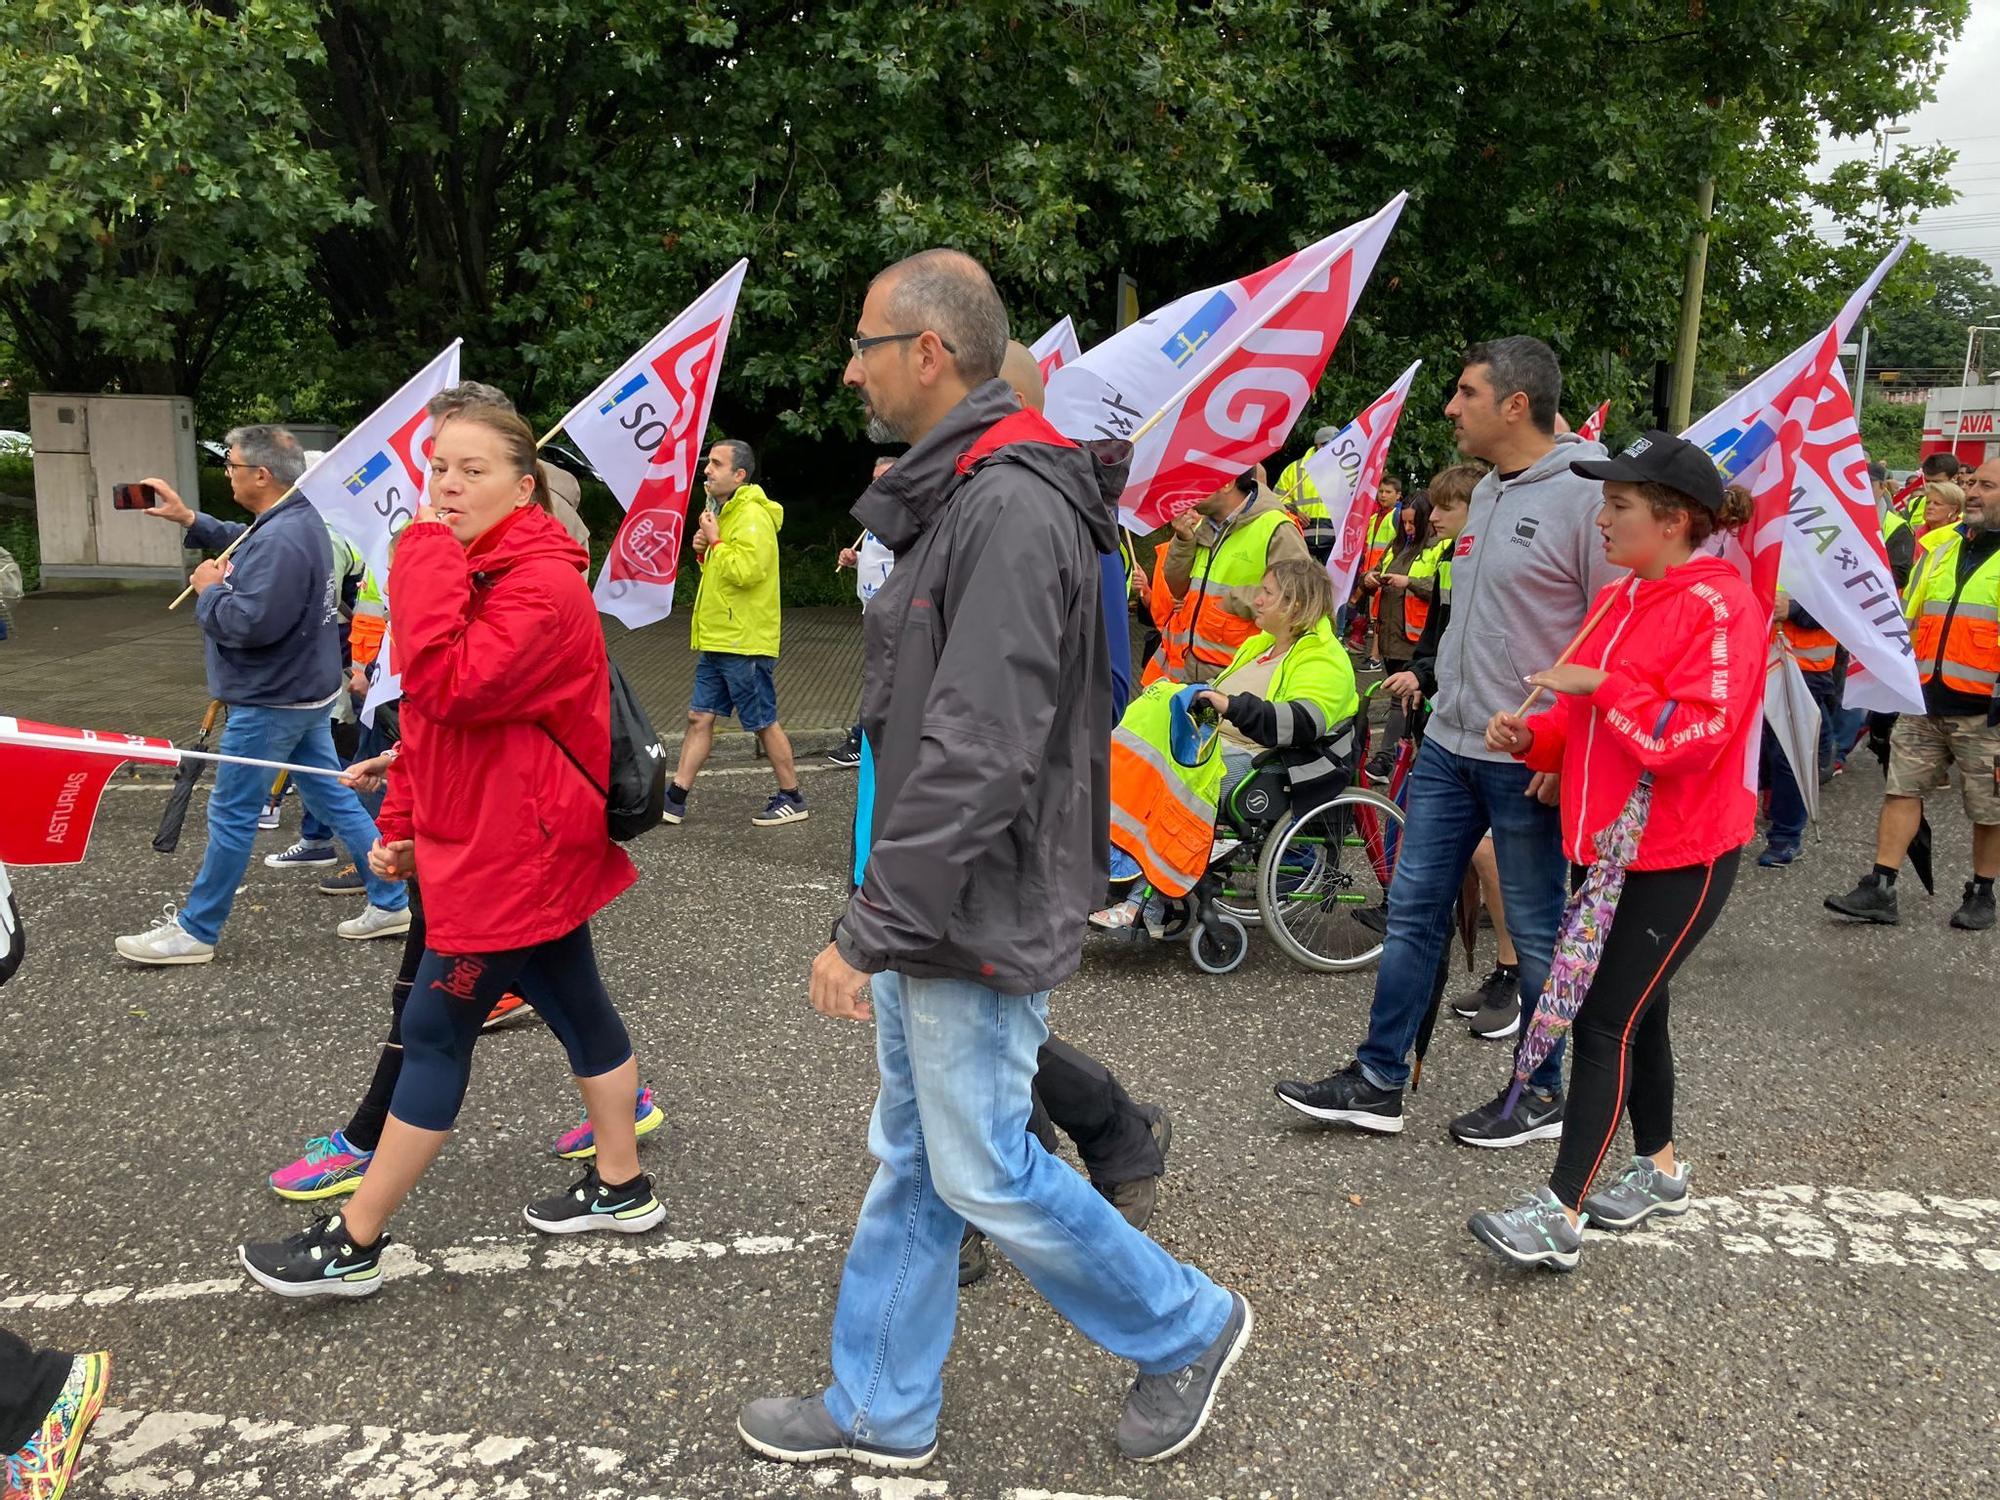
270,621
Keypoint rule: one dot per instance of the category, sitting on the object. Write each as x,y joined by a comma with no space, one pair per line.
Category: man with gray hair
270,621
985,706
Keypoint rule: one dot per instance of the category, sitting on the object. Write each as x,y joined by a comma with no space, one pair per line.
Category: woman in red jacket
1668,681
497,799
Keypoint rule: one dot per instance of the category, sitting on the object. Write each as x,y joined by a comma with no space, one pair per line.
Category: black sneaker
1975,913
589,1204
847,753
973,1259
1870,901
1347,1098
1490,1126
1499,1020
321,1261
1503,982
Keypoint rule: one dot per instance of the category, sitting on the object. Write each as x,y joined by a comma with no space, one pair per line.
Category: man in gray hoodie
985,710
1524,571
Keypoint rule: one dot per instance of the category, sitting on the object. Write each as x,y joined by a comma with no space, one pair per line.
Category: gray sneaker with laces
1165,1413
1534,1232
1641,1191
800,1430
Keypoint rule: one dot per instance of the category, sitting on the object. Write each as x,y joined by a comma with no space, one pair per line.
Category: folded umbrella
175,814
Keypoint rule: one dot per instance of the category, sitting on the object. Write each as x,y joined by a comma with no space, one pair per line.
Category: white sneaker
167,942
267,817
375,923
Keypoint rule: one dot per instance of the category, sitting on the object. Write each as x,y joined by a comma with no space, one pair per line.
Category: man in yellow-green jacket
735,630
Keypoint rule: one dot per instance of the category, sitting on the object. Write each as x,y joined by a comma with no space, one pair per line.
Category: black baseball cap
1661,458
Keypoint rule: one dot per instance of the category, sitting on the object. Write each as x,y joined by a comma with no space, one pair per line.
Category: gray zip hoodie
1526,567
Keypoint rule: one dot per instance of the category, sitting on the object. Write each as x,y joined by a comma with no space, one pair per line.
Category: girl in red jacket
498,800
1668,680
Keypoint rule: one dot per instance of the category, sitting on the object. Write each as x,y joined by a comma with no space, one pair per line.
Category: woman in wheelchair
1290,688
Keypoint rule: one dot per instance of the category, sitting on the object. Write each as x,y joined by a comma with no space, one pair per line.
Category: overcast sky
1966,117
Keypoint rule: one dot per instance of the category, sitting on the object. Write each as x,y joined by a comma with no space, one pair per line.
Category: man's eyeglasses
230,463
858,345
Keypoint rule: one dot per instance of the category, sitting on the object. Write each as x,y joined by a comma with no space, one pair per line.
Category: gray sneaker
799,1430
1534,1232
1165,1413
1641,1191
375,922
166,942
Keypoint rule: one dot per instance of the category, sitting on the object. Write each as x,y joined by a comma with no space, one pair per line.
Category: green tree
155,183
1927,330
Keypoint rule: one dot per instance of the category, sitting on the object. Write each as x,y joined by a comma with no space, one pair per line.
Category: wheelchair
1300,853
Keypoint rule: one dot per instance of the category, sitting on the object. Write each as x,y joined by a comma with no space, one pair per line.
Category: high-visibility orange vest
1433,562
1814,649
1162,812
1956,626
1196,625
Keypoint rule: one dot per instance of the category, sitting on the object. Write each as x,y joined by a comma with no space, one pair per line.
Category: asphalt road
1828,1322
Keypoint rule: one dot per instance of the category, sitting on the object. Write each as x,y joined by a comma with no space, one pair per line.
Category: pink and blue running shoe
579,1144
329,1168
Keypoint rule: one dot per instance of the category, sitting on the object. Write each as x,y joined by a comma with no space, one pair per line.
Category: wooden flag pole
235,542
1569,650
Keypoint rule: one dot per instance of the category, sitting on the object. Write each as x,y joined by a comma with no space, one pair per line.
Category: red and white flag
53,791
1056,348
1347,472
1592,430
1212,383
1790,438
643,430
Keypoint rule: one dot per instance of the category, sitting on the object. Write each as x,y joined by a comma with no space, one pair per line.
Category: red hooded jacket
1696,638
496,643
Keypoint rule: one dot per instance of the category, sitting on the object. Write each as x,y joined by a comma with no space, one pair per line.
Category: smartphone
133,497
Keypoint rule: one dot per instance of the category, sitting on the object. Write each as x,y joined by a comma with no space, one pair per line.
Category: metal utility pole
1680,402
1882,135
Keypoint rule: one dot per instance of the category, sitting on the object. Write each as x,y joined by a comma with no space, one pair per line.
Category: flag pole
1569,650
154,754
235,542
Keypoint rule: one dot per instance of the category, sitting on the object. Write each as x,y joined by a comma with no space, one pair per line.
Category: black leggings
30,1381
1620,1057
450,997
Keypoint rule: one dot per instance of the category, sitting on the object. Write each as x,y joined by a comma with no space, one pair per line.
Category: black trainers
1975,913
1870,901
846,753
589,1205
1347,1098
1499,1019
973,1258
1164,1413
1491,1127
320,1261
1503,982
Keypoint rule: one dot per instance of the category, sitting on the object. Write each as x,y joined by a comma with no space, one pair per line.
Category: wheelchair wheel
1320,870
1219,945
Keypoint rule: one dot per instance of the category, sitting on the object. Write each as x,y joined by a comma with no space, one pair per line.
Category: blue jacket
273,623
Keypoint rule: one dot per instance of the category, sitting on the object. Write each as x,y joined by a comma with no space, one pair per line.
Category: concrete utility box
83,446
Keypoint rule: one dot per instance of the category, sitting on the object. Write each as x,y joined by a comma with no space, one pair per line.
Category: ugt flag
643,430
1347,472
1056,348
1790,438
1212,383
371,482
1592,430
53,791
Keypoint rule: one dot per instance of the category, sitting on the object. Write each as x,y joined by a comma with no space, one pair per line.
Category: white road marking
483,1258
1845,1225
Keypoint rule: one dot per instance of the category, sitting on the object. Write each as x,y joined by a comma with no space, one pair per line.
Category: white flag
1227,370
1347,472
1790,438
643,430
1056,348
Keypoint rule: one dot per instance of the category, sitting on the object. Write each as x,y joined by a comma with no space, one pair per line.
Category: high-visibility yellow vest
1162,812
1296,488
1956,626
1382,533
1920,565
1433,562
1196,624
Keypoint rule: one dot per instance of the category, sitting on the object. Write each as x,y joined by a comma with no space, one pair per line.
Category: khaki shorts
1922,748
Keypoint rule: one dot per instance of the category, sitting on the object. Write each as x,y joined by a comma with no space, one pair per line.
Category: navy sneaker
1777,854
799,1430
677,804
784,807
321,1261
590,1204
304,856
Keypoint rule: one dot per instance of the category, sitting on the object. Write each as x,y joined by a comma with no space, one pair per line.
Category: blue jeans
1788,804
950,1130
1453,801
304,737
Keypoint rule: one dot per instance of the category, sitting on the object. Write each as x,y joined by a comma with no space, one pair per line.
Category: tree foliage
553,180
1928,330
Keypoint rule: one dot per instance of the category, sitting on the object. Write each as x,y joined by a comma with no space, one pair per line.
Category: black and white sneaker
846,753
321,1261
1503,983
1493,1128
590,1204
1347,1098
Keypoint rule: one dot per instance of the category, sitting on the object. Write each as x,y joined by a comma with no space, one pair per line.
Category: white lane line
1842,1225
483,1258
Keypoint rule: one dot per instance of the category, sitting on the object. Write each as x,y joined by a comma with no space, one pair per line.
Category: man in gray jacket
986,709
1524,571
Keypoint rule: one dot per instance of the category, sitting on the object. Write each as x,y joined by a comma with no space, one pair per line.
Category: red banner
52,793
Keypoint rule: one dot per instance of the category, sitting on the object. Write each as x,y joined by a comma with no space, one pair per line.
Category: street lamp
1882,134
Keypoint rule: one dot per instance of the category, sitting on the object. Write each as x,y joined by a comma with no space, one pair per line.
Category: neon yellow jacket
736,603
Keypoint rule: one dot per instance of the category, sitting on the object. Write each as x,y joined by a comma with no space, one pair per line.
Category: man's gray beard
880,431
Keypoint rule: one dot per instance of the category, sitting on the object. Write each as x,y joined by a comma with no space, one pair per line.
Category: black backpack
637,797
